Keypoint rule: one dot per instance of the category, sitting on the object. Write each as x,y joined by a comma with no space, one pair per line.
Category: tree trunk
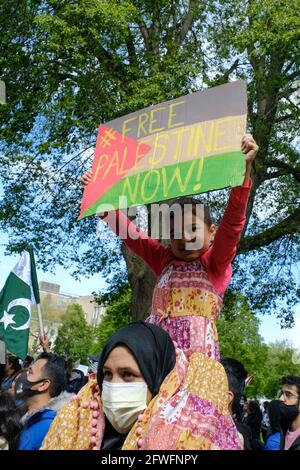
142,281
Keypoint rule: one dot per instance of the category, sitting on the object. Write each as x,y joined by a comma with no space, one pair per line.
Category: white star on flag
7,319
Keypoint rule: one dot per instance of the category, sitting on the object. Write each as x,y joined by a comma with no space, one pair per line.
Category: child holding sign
191,408
187,297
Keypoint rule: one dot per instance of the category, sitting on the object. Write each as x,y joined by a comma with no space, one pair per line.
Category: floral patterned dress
186,304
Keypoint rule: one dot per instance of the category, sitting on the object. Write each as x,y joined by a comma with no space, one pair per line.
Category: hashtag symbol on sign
106,139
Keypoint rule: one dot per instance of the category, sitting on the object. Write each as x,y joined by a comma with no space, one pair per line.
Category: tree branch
275,174
273,162
145,33
222,79
287,226
287,91
284,118
293,76
186,22
131,49
288,67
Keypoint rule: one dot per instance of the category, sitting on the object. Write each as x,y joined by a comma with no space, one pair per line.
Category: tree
75,336
239,338
118,314
259,41
70,65
280,362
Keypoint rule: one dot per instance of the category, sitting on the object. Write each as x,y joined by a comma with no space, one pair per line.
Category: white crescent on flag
21,303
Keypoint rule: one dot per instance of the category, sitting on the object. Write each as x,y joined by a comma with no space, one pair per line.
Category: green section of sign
191,177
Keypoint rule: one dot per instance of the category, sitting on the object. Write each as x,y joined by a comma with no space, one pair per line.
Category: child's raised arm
150,250
228,235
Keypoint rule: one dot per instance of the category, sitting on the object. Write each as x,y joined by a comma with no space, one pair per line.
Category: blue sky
68,284
269,328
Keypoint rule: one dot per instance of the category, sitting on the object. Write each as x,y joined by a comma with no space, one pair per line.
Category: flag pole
35,288
40,319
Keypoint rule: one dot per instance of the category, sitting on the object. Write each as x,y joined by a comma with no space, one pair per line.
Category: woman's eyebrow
128,369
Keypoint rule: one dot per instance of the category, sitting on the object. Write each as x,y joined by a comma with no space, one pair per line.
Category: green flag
15,305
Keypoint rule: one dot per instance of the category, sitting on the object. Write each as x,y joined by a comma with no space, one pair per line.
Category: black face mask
288,413
23,387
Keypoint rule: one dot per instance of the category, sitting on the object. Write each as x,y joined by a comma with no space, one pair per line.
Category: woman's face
120,366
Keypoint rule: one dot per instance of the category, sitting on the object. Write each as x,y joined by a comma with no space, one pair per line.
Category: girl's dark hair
236,375
192,201
10,421
254,407
13,361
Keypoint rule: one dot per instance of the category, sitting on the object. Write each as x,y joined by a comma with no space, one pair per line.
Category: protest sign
186,146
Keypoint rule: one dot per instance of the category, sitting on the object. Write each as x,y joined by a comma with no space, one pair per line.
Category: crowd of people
141,393
159,384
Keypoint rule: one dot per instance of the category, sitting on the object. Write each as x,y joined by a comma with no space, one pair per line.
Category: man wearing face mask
41,387
289,397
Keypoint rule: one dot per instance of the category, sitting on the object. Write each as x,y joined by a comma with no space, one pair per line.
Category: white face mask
123,402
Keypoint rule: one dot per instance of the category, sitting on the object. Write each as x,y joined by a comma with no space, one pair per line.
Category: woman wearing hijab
132,366
148,396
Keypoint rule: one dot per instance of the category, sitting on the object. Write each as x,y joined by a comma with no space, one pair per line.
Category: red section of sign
115,155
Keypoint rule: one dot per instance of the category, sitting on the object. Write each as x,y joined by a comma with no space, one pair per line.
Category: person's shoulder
47,413
40,416
273,442
33,434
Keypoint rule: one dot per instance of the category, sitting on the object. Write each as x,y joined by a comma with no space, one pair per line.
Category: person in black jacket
289,396
254,420
236,376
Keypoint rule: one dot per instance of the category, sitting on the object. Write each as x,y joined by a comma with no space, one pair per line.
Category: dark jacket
246,432
76,381
254,421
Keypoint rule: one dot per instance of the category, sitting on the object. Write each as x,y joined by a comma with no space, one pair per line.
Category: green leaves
75,336
239,338
279,364
118,314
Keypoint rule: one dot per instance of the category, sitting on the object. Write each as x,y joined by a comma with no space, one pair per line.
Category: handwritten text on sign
184,146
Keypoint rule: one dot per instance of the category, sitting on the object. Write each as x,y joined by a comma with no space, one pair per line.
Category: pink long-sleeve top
188,294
